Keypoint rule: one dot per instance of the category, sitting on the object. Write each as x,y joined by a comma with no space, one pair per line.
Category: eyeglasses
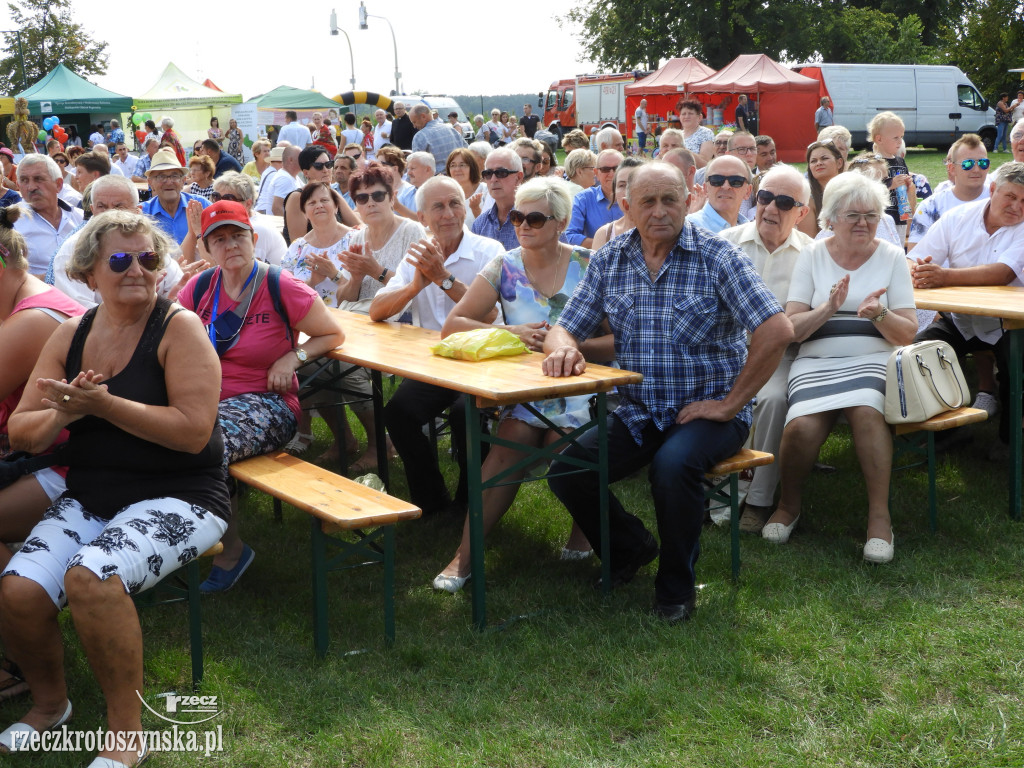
534,220
744,150
362,198
321,166
734,181
782,202
61,162
983,163
119,262
356,156
822,143
501,173
606,168
530,160
853,217
217,197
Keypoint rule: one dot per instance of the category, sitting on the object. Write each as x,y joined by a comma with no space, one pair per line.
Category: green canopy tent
268,109
62,92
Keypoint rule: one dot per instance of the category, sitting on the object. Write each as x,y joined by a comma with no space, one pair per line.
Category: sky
251,48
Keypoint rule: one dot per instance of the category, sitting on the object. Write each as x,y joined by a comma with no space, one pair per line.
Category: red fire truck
589,102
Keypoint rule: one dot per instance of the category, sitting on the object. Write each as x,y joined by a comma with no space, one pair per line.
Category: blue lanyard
216,300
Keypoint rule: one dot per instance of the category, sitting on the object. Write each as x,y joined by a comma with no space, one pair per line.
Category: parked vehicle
589,102
443,104
936,103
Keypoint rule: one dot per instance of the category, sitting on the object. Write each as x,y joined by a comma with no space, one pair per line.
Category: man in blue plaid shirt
678,301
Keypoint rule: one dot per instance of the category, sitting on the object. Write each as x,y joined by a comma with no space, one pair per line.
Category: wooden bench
724,489
335,504
918,438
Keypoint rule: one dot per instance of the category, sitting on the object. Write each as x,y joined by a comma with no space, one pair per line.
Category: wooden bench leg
278,517
195,624
389,584
734,523
318,548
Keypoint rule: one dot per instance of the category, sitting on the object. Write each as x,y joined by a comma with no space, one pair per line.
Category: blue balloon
56,120
48,123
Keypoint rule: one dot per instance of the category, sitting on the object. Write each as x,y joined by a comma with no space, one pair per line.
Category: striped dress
842,364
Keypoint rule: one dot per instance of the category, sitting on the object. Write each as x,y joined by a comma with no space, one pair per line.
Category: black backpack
202,285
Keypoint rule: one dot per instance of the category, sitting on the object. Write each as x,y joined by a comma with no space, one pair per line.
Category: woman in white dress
851,302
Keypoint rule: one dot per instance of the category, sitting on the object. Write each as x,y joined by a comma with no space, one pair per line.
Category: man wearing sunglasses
433,136
429,281
590,209
222,161
726,186
169,204
503,173
968,168
772,242
679,303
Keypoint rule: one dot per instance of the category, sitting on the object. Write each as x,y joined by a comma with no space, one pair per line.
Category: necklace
554,277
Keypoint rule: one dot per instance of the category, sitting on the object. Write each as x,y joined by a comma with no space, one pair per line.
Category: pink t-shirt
50,299
263,339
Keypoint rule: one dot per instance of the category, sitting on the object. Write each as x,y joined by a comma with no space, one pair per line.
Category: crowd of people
147,346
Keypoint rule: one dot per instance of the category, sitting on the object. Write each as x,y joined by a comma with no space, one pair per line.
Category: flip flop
106,762
14,685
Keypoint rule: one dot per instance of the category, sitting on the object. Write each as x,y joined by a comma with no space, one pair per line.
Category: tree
49,37
985,42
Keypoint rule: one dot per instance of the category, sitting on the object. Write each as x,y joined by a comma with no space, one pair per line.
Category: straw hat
165,159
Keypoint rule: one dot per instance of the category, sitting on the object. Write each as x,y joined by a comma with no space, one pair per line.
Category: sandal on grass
13,684
299,444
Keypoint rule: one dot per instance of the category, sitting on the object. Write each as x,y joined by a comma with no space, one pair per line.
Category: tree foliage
985,42
49,37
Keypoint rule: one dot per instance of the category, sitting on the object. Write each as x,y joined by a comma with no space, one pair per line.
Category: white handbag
921,381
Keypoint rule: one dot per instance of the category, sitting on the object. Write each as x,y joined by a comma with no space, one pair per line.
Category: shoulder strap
201,286
274,286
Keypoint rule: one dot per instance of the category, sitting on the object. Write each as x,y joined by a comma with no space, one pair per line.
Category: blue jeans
1000,136
641,141
678,459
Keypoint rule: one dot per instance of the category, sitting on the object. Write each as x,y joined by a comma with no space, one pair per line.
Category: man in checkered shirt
678,301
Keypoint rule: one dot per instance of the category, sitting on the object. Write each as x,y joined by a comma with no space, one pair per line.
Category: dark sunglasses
782,202
321,166
501,173
217,197
719,181
119,262
534,220
606,168
983,163
362,198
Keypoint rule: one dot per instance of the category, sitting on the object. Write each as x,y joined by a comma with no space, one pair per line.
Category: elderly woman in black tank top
136,384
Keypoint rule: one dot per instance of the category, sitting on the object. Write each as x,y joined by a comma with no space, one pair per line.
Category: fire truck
589,102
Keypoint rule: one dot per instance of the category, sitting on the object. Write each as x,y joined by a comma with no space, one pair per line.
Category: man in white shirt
101,149
979,243
124,162
968,167
641,126
419,167
285,181
294,132
429,281
726,187
381,131
39,180
265,190
772,242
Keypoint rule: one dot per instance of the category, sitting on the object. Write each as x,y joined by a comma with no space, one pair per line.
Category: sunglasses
501,173
606,168
362,198
119,262
983,163
734,181
321,166
534,220
356,156
217,197
782,202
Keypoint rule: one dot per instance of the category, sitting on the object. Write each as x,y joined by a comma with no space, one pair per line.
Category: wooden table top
405,350
1003,301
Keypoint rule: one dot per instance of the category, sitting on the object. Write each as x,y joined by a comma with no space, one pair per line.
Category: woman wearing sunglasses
135,384
532,283
620,226
851,302
316,166
259,351
824,163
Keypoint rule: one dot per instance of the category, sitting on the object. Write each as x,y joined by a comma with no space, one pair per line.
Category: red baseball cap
225,212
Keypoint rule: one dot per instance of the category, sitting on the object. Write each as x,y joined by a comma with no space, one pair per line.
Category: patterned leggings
254,424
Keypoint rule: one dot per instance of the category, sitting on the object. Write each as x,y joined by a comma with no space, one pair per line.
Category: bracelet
881,315
383,276
337,276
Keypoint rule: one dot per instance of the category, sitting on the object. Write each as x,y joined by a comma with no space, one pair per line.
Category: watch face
447,283
301,354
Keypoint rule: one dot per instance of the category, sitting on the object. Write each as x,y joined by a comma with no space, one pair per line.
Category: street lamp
363,16
335,29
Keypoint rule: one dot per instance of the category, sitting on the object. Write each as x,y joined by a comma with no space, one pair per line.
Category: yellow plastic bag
480,344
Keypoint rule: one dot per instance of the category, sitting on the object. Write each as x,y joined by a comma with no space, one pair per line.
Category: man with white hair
382,130
481,149
1017,141
151,145
433,136
101,149
592,208
772,242
609,138
726,187
419,168
671,138
430,280
503,173
39,180
402,129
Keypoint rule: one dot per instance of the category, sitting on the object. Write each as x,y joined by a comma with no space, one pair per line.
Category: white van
936,103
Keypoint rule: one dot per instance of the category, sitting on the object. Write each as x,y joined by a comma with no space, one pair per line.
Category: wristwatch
881,315
337,277
383,275
448,283
301,354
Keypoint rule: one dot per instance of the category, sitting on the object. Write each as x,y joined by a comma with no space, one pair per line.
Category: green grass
815,658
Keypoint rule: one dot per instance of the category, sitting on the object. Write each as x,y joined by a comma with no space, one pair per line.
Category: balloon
42,136
56,120
140,135
61,134
146,116
136,118
48,123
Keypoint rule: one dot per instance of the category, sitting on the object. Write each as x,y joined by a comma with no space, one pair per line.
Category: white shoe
17,737
879,550
778,533
450,584
987,402
106,762
575,554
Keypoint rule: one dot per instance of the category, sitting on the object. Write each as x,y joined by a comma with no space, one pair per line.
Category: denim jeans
678,459
1000,136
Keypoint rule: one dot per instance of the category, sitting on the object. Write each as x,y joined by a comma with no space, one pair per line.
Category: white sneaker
987,402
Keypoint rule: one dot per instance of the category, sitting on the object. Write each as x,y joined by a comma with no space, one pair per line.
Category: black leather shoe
625,573
675,614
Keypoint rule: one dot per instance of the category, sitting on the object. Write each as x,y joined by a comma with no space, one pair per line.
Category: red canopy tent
785,100
663,88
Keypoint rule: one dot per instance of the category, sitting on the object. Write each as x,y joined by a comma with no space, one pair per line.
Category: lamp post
21,54
363,16
335,30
